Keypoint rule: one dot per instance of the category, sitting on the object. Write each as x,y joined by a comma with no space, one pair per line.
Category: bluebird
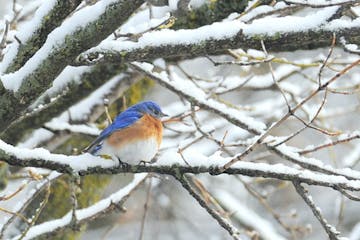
134,136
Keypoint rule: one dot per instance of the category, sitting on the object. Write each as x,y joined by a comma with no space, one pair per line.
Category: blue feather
125,119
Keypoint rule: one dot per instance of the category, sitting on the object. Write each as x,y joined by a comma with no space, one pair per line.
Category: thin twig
330,230
38,212
234,233
321,5
146,207
266,205
330,144
15,214
7,197
291,112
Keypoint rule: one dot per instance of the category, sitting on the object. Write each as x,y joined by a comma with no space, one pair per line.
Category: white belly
132,153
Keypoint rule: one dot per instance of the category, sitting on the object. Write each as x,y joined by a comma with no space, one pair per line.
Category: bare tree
264,105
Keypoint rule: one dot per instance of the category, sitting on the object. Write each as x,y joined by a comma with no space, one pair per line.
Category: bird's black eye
156,111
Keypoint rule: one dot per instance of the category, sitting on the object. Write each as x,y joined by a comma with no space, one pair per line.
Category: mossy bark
214,11
91,186
53,19
62,55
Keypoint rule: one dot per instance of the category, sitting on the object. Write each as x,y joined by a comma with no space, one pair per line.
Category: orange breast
143,129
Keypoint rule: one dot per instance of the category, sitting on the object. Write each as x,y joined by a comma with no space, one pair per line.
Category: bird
134,136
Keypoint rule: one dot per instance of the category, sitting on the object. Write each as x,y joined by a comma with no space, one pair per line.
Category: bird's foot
143,163
122,164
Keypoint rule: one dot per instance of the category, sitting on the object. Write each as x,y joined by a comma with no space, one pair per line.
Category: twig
289,113
321,5
7,197
28,200
250,63
146,207
306,124
38,212
234,233
327,58
266,205
106,106
87,214
330,230
273,76
15,214
348,195
321,146
74,180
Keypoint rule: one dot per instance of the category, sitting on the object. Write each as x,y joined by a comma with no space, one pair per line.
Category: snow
26,195
320,2
273,25
25,31
247,217
167,36
85,213
84,107
291,153
353,156
196,159
77,163
37,136
189,89
69,74
228,29
261,10
55,39
58,125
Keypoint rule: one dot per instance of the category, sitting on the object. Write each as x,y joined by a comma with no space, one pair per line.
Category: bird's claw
143,163
123,165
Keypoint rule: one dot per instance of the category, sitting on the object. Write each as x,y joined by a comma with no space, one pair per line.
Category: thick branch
90,81
87,164
199,98
50,21
194,43
62,52
101,208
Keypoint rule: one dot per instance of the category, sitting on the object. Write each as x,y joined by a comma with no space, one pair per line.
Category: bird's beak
164,114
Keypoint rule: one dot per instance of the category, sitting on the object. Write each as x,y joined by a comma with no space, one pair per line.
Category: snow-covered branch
84,29
170,163
34,33
279,33
190,91
84,215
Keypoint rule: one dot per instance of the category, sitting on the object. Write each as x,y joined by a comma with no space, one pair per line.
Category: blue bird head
149,107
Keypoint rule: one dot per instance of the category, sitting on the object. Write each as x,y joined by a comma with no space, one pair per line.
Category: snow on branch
187,89
170,163
321,3
96,210
279,34
34,33
76,34
247,217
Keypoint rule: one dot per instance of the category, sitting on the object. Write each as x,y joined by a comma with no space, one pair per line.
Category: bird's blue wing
123,120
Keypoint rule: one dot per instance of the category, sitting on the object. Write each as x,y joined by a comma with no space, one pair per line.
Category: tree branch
219,38
86,164
85,215
330,230
53,19
36,76
234,233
